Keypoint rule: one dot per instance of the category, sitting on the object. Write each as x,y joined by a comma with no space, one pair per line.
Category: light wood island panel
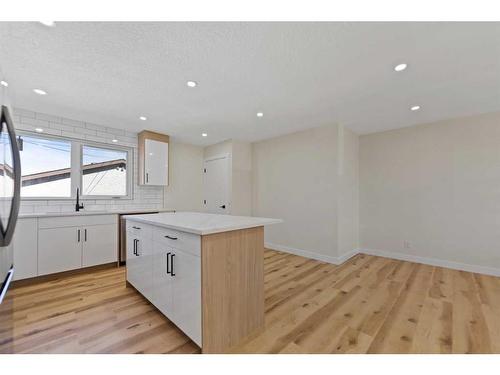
232,287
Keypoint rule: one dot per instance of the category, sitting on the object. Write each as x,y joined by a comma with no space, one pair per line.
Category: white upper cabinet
153,158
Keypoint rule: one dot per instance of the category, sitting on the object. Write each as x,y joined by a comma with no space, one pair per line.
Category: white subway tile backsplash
85,131
24,113
34,122
144,197
51,131
75,123
59,126
70,134
92,126
43,116
94,138
115,131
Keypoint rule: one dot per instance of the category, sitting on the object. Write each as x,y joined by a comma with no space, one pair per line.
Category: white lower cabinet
69,248
175,277
140,263
186,294
162,281
25,244
100,245
59,249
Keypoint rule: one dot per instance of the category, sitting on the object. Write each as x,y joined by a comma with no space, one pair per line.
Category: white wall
241,179
348,193
310,180
185,191
436,186
295,179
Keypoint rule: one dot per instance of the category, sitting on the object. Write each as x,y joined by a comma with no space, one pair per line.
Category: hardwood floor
366,305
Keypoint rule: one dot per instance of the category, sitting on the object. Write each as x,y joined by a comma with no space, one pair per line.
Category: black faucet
78,206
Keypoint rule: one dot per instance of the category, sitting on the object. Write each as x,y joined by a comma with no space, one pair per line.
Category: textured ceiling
300,75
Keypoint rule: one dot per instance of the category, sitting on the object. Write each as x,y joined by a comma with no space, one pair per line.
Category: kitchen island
204,272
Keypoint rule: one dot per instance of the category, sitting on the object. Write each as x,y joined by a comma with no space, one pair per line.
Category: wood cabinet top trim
147,134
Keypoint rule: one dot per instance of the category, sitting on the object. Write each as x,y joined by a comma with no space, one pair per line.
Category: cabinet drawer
188,242
137,229
76,221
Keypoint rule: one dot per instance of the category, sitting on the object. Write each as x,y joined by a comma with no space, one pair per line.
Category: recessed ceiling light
204,134
191,83
400,67
3,83
39,130
415,108
260,114
114,140
143,118
39,92
48,23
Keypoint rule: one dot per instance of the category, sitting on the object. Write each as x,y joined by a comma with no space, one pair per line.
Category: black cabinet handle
172,265
147,177
85,235
168,270
135,247
171,238
78,235
223,206
136,227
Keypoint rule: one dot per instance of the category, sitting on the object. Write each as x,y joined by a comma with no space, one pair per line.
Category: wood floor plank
366,305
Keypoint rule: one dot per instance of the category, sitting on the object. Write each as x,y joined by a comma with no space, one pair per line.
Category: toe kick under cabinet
210,286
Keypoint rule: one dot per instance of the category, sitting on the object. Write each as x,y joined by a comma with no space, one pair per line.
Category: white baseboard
311,254
345,257
433,262
387,254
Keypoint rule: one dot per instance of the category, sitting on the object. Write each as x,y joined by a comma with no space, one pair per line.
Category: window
55,167
104,171
45,167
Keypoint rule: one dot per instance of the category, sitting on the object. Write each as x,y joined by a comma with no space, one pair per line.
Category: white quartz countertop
86,213
202,223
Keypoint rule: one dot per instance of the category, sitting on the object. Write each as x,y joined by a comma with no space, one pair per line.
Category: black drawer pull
172,265
136,227
171,238
168,264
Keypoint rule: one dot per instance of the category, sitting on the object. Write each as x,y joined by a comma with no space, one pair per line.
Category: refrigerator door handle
6,233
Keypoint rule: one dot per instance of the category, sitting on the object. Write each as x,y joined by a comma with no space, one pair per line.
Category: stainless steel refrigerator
10,186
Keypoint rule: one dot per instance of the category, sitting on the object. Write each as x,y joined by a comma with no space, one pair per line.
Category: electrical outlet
407,244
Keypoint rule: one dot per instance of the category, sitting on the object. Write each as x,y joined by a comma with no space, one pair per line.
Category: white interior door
216,185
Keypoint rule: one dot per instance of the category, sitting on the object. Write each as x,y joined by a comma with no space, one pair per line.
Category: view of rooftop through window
104,171
45,167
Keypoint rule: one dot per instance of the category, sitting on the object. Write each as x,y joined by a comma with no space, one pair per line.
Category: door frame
229,177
